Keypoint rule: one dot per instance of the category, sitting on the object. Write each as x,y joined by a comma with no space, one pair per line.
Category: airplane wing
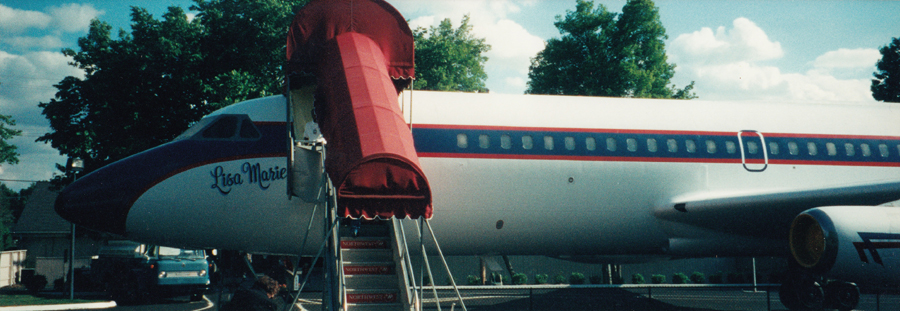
768,215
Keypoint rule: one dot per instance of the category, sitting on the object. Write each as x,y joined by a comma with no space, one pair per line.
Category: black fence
626,297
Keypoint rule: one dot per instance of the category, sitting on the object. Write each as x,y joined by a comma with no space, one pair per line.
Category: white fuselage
579,177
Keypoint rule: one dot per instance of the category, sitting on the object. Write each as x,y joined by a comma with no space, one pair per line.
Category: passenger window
462,140
813,150
672,145
484,141
505,141
848,147
590,143
248,130
548,142
570,143
792,148
690,146
527,142
611,144
651,145
773,148
631,143
730,147
711,146
831,148
225,127
752,147
865,150
883,150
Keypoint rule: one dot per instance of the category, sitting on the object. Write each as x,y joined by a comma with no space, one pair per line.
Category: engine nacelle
852,243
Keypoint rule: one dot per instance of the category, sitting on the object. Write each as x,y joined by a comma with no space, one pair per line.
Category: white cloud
512,46
745,41
731,64
47,42
847,58
28,80
73,17
13,21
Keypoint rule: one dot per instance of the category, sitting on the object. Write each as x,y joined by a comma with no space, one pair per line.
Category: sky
821,51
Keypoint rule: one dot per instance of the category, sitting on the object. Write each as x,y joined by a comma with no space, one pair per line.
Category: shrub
541,279
698,278
473,280
559,279
36,283
679,278
519,279
577,278
735,278
657,279
716,278
637,278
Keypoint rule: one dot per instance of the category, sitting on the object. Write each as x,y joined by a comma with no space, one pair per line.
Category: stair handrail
446,266
412,298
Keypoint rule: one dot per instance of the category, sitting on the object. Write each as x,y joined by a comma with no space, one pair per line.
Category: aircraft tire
843,296
802,294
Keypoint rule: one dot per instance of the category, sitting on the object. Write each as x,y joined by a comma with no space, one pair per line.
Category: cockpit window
223,127
248,130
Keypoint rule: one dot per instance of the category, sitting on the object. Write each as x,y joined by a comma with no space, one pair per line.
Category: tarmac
65,306
69,306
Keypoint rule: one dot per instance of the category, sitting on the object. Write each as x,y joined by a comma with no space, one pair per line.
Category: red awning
322,20
355,48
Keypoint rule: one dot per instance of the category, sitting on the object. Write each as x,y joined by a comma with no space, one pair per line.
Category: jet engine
851,243
836,245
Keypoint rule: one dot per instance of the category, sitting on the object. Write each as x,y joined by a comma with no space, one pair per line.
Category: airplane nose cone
96,203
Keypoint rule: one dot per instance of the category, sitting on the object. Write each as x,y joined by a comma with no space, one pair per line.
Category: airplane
591,179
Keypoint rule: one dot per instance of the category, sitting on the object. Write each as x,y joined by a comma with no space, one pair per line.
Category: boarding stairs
372,278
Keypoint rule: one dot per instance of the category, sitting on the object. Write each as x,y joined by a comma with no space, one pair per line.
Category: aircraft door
754,156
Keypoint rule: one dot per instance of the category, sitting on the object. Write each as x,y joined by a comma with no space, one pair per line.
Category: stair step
367,255
364,297
369,269
360,282
375,229
365,243
375,306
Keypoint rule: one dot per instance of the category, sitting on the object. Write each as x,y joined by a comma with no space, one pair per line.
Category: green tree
147,86
603,53
886,85
450,59
8,152
11,206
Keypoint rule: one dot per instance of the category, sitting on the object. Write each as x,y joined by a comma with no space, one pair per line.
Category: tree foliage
450,59
147,86
603,53
886,85
8,152
11,205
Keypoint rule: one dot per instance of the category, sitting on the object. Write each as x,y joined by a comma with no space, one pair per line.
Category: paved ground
509,298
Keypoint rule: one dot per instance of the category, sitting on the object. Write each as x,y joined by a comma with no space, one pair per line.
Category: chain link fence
659,297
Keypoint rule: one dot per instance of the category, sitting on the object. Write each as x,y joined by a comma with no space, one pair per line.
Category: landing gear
843,296
804,292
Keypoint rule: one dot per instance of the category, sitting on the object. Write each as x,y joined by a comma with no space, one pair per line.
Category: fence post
530,299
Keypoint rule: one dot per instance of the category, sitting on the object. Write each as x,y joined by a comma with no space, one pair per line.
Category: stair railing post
428,265
446,266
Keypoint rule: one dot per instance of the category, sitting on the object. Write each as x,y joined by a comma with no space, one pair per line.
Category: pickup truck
132,272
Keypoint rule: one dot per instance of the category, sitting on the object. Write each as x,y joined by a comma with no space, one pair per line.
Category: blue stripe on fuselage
437,141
